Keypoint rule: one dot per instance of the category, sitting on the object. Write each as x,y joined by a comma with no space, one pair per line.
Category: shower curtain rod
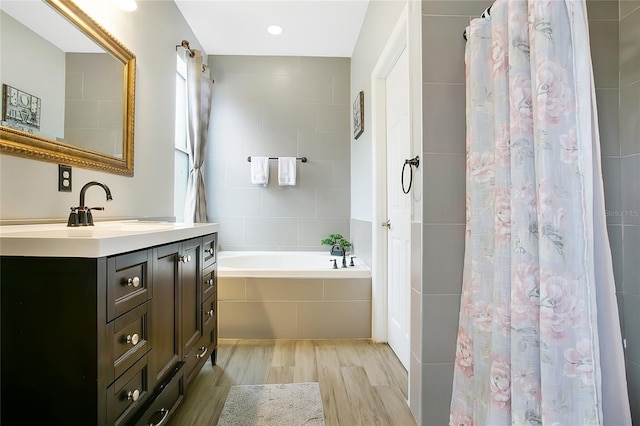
485,14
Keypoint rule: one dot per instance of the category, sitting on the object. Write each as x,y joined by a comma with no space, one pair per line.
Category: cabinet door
165,313
190,295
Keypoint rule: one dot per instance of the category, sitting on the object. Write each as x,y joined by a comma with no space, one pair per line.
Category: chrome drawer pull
204,351
210,282
133,339
210,251
185,259
210,313
133,282
164,413
133,395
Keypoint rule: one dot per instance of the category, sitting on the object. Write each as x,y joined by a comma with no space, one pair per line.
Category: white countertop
104,239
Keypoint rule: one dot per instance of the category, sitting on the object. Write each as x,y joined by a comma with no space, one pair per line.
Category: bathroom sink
102,239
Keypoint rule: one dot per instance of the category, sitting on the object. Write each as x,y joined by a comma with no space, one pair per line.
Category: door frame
405,35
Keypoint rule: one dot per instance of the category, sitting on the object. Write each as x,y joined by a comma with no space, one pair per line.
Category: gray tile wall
436,301
630,191
279,106
604,29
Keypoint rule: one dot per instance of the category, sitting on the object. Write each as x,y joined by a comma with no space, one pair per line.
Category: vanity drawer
129,338
127,393
210,249
209,281
209,314
197,356
128,282
168,398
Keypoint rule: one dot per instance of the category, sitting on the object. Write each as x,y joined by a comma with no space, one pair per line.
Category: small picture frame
358,115
20,110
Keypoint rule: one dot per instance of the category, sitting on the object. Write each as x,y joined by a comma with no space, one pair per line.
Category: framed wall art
358,115
20,110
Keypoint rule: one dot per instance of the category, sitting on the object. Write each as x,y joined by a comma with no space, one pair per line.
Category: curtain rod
185,44
485,14
303,159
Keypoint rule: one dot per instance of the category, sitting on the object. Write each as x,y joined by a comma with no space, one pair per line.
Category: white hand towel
287,171
260,170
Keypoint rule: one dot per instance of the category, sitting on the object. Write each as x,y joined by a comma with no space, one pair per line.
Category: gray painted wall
379,22
279,106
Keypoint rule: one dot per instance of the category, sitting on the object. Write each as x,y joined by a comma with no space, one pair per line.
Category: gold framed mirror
28,141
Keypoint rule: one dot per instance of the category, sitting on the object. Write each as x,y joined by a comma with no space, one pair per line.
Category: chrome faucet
81,215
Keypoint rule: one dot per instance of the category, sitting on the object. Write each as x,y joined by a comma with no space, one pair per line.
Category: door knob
386,224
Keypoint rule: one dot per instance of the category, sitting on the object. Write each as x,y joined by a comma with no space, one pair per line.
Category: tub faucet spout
340,249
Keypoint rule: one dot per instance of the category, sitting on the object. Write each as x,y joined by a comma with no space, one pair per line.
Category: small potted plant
338,243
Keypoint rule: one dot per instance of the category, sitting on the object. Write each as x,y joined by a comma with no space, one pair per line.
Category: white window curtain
199,89
539,339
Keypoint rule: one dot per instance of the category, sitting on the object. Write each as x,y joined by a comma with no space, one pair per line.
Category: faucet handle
95,208
335,265
352,257
73,217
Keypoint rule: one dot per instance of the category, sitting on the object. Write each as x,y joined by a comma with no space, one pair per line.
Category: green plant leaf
336,240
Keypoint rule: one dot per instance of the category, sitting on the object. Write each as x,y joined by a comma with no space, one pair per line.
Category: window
181,155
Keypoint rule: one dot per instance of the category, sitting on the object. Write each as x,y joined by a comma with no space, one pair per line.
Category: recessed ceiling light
126,5
274,29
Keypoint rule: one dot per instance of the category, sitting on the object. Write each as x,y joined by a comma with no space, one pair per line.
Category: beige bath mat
291,404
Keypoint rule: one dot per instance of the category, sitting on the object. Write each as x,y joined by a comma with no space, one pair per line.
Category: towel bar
303,159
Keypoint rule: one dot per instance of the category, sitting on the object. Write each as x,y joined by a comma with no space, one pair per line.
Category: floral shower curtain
539,339
198,106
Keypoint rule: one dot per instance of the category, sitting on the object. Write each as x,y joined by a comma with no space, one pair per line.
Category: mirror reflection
64,90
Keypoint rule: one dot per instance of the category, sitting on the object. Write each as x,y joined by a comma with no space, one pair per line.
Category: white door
398,208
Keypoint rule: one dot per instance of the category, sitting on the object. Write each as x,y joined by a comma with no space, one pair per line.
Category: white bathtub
292,295
290,264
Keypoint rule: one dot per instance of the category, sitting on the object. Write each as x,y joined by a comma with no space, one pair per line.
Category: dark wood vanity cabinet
105,341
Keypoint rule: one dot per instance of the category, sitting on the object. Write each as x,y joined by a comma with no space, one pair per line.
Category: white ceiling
311,27
231,27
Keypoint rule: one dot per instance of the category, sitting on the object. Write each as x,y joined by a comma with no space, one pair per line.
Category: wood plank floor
361,382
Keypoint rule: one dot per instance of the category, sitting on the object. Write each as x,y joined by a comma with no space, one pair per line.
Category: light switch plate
64,178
